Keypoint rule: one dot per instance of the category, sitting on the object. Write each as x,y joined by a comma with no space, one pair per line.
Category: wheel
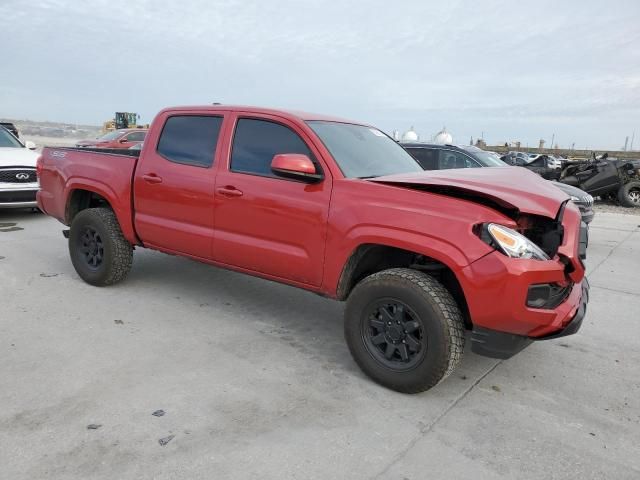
629,194
404,329
99,252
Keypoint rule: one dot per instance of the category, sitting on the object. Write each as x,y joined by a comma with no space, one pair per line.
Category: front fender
442,250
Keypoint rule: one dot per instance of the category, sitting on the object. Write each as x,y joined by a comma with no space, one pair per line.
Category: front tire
629,195
99,252
404,329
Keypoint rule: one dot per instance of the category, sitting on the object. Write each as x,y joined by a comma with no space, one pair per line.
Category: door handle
152,178
229,191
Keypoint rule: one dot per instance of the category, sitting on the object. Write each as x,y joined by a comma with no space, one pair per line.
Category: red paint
293,162
304,233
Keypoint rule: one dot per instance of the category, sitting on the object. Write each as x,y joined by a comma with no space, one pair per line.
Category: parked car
606,178
516,159
440,157
340,209
582,199
11,127
18,180
545,166
436,157
125,138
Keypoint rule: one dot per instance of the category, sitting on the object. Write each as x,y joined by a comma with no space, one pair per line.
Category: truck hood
513,189
17,157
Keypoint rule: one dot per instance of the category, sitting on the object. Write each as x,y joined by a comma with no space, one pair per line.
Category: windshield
8,140
363,152
486,159
107,137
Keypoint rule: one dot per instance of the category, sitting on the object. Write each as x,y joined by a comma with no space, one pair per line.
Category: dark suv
440,157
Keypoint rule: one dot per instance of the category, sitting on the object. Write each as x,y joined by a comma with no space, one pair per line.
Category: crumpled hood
17,157
512,188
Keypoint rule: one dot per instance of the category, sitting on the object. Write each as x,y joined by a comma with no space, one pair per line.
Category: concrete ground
256,382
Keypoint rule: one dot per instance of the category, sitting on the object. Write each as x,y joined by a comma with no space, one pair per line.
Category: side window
453,159
190,139
256,142
426,157
136,137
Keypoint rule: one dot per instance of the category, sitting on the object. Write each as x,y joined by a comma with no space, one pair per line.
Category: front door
265,223
174,185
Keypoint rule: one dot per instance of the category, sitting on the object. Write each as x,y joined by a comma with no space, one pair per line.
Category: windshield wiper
367,177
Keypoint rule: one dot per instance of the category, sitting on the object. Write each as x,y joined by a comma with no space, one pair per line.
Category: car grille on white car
18,175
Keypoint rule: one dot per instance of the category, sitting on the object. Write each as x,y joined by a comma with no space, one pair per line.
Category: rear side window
426,157
257,141
190,139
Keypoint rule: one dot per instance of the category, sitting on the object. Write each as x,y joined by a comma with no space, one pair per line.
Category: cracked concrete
256,382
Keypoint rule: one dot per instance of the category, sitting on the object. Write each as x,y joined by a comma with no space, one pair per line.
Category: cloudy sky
513,70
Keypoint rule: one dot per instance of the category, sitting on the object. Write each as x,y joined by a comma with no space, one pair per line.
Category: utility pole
632,137
552,139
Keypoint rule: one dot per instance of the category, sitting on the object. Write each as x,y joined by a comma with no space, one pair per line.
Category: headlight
514,244
575,199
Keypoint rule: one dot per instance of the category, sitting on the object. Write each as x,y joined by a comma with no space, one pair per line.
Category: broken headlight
512,243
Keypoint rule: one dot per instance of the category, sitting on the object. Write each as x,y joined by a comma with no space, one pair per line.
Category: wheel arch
83,195
369,258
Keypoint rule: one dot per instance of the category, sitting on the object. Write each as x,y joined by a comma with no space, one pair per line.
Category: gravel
610,207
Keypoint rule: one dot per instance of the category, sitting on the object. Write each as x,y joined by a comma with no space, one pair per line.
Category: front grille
586,201
17,197
18,175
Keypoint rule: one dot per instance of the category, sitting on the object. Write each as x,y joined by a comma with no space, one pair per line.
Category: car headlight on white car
514,244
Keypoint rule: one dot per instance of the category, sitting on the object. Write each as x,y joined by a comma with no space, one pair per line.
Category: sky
503,70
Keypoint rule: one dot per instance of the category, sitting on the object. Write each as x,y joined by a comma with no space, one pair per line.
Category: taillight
39,165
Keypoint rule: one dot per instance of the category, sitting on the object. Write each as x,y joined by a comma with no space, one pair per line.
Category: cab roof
290,114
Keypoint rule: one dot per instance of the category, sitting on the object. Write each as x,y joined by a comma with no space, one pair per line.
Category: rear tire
404,329
629,195
99,252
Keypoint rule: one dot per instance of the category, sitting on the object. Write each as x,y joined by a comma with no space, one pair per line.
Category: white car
18,180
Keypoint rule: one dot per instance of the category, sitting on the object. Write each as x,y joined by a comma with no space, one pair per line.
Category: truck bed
64,172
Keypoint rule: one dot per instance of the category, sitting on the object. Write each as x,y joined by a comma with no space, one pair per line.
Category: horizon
504,73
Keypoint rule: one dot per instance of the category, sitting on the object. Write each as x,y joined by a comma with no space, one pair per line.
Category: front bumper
18,195
496,344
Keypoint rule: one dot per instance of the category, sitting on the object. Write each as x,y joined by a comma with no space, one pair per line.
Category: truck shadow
307,322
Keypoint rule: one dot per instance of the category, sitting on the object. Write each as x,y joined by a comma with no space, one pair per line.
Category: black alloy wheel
393,334
92,247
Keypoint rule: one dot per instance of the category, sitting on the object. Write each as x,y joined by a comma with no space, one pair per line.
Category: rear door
264,223
174,184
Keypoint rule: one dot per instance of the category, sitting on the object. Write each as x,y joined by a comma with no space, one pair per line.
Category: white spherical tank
410,136
443,138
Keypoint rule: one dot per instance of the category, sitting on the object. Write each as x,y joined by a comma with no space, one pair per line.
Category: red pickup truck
340,209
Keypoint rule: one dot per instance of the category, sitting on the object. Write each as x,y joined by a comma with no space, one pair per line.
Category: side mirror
30,145
296,166
123,140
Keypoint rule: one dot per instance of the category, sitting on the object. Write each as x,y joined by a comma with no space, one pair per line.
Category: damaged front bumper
496,344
